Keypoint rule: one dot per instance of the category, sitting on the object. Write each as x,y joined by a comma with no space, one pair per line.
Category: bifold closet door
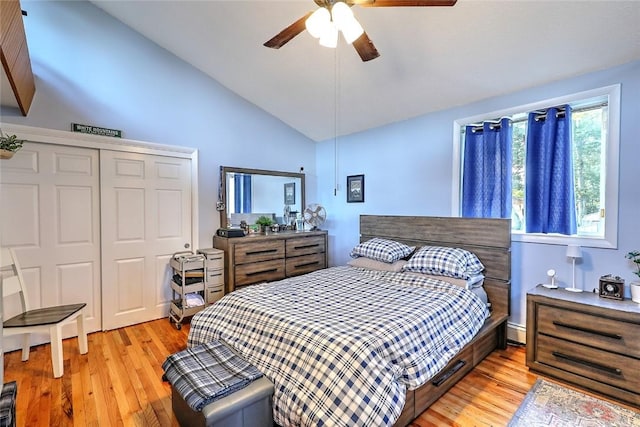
50,214
146,217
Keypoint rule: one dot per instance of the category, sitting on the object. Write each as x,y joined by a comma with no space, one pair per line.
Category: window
595,120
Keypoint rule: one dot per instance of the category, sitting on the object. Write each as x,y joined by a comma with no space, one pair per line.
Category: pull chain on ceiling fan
335,16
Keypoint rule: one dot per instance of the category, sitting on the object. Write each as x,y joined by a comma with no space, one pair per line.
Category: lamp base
550,286
573,289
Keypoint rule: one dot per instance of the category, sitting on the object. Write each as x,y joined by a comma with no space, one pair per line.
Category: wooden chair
40,320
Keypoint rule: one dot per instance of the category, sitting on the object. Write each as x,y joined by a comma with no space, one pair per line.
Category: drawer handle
589,330
315,245
271,270
264,251
455,368
588,363
307,264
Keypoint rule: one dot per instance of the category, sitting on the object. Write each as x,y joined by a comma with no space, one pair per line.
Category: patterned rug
550,404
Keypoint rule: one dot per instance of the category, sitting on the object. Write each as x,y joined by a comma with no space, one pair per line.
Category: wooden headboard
488,238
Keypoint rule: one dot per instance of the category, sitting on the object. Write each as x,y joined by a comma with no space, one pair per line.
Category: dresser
259,258
586,340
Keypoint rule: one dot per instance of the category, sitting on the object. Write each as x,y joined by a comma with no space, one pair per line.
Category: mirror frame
222,197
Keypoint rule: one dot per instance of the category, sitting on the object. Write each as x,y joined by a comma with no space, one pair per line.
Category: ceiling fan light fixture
319,21
345,21
330,36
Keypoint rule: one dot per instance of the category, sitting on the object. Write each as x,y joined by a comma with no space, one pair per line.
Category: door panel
146,217
49,198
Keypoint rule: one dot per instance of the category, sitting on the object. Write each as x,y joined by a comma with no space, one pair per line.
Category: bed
346,345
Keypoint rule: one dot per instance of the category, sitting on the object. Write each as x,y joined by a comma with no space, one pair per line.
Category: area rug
550,404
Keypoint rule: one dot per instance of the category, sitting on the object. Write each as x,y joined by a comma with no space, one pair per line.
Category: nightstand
586,340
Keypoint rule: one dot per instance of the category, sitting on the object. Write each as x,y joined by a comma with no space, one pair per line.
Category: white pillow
372,264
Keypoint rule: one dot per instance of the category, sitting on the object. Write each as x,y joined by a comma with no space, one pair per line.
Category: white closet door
50,213
146,217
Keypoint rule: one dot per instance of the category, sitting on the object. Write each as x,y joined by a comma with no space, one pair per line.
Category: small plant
634,256
264,221
10,142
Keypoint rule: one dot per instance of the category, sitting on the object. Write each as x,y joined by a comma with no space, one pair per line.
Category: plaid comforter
342,345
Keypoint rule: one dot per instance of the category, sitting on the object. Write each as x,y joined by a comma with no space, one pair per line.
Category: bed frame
490,240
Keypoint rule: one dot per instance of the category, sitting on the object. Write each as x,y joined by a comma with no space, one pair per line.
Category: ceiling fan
335,16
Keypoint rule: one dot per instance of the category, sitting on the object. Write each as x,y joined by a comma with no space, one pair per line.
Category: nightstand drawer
596,331
259,251
265,271
599,365
305,245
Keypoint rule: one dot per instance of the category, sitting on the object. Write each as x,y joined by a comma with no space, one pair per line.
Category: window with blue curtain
549,183
564,168
550,205
486,182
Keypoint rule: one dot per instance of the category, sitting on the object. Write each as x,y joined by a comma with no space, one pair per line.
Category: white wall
408,171
92,69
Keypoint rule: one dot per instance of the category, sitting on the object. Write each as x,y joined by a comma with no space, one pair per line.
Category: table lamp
574,252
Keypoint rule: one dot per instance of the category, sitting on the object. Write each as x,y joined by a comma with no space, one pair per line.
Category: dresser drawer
259,251
599,365
265,271
305,245
305,264
596,331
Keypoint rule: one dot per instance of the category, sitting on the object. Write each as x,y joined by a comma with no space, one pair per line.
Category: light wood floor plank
119,383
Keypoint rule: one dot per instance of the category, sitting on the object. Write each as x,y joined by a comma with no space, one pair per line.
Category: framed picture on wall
355,189
290,193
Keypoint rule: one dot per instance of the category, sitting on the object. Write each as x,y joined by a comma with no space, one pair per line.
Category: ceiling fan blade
365,48
400,3
288,33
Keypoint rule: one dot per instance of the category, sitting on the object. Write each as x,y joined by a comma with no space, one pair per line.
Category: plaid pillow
382,250
442,261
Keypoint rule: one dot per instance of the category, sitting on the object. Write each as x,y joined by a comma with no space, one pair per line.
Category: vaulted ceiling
432,58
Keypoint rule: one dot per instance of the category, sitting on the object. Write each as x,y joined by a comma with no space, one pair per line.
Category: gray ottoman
212,385
248,407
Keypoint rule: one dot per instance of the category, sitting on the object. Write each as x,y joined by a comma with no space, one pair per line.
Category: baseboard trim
516,332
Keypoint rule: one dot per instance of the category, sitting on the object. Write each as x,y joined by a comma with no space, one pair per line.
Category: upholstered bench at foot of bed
247,407
212,385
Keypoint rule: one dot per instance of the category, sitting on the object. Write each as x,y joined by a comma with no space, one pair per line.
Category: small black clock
611,287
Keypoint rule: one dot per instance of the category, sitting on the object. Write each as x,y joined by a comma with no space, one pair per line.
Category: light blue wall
408,171
92,69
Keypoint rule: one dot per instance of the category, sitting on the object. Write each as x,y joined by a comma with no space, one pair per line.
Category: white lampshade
345,21
330,36
318,22
574,251
341,14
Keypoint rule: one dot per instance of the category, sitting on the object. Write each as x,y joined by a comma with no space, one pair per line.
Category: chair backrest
11,277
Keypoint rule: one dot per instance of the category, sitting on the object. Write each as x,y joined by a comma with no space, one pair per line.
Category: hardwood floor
119,383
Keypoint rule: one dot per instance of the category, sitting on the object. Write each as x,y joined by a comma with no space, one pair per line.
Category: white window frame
612,160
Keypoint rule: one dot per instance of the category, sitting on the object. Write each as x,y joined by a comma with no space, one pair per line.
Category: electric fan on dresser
315,215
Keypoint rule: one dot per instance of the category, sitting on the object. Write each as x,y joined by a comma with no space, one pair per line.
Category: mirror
247,194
